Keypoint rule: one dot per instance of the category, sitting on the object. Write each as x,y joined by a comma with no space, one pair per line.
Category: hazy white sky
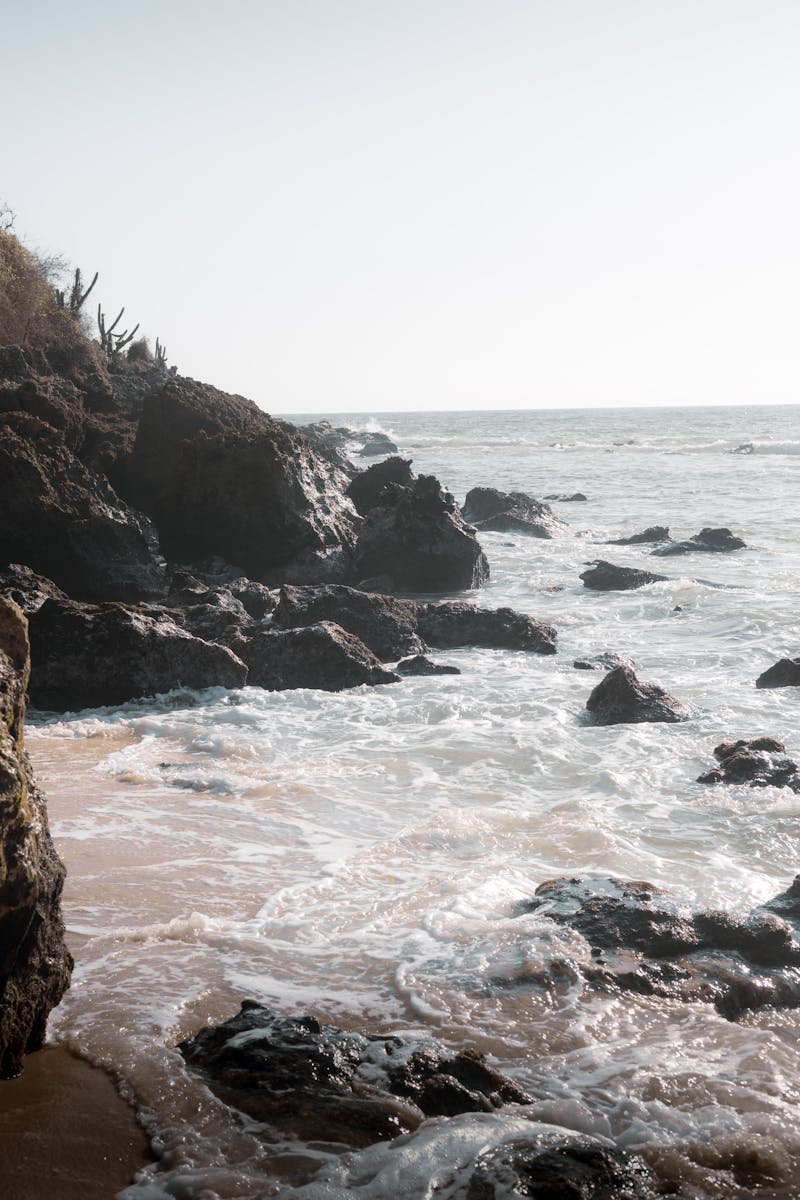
335,205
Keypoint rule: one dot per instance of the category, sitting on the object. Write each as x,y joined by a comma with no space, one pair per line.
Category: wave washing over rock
588,957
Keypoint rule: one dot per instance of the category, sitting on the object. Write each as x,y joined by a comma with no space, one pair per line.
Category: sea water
361,855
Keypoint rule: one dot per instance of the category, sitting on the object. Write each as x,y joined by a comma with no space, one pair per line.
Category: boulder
622,699
487,508
86,655
321,656
27,589
653,533
784,673
760,762
418,538
386,625
711,541
376,444
556,1164
606,577
420,665
312,1081
35,964
603,662
366,489
454,623
568,498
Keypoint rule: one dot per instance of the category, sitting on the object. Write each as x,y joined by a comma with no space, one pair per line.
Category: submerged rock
606,577
711,541
604,662
760,762
455,623
653,533
622,699
316,656
386,625
316,1082
568,498
487,508
35,964
784,673
554,1164
420,665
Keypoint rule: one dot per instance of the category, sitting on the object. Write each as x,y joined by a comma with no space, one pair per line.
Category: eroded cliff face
35,964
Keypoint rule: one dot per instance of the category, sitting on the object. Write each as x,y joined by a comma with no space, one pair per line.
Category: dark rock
416,536
35,964
654,533
487,508
420,665
316,1082
604,662
86,655
784,673
606,577
553,1164
569,498
621,699
27,589
711,541
376,444
785,904
744,448
216,616
317,656
760,762
386,625
368,486
258,600
455,623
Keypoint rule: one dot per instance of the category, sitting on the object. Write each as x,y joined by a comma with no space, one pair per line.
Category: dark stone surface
604,662
417,537
455,623
35,965
560,1165
420,665
487,508
784,673
366,489
316,1082
760,762
604,576
86,655
622,699
386,625
566,498
710,541
317,656
376,444
654,533
27,589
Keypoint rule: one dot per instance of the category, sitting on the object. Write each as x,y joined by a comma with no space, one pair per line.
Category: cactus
77,295
112,342
160,355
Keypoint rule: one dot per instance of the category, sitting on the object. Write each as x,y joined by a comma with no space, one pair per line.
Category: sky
378,205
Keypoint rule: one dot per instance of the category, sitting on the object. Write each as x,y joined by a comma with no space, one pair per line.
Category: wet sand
65,1133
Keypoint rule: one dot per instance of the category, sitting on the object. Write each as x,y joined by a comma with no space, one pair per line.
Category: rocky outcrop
27,589
455,623
784,673
416,537
316,1082
85,655
604,576
419,664
644,940
376,444
317,656
487,508
653,533
710,541
603,662
367,488
760,762
622,699
386,625
35,965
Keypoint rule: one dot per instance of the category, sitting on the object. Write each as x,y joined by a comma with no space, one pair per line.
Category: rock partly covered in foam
710,541
622,699
784,673
315,656
760,762
384,623
606,661
419,664
566,497
487,508
653,533
35,965
604,576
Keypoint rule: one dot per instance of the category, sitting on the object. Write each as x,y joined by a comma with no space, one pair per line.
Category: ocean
361,856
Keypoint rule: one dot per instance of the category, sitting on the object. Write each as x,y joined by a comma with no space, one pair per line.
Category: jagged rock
760,762
552,1164
604,662
622,699
712,541
375,444
784,673
314,1081
27,589
420,665
568,498
215,615
85,655
416,536
487,508
258,600
455,623
386,625
653,533
35,965
219,476
606,577
66,522
317,656
366,489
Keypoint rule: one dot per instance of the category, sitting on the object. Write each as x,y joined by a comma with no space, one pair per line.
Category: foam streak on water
361,855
